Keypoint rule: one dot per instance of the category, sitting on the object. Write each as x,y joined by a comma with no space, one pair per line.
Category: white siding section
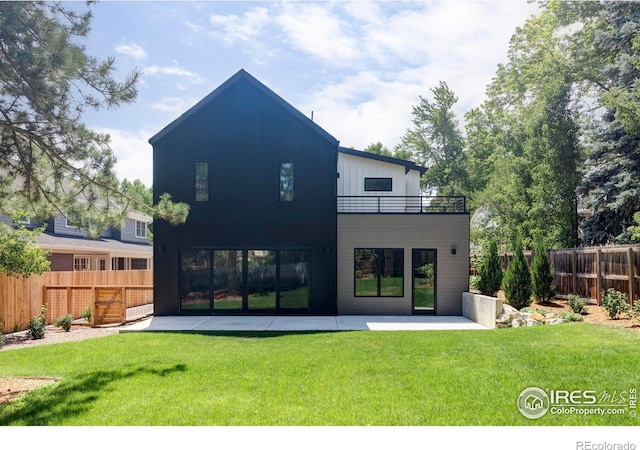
353,170
412,183
429,231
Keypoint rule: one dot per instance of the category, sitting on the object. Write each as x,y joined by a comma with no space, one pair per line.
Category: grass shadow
52,404
250,334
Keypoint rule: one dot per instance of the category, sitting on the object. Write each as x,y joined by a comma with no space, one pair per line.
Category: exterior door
424,269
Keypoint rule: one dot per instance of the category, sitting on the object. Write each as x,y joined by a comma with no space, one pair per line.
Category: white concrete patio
303,323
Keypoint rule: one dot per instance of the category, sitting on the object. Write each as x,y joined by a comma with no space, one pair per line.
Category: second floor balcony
349,204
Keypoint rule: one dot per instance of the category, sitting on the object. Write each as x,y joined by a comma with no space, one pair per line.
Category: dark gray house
285,221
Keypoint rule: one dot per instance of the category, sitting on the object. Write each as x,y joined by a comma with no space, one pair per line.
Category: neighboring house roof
243,75
409,165
50,241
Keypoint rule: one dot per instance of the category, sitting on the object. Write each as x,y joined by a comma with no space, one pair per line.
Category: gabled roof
243,75
408,165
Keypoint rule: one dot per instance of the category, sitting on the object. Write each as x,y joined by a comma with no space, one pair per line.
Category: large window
378,184
293,280
286,182
262,278
245,280
202,181
228,280
379,272
195,279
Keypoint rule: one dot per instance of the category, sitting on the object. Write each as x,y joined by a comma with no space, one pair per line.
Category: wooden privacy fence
114,296
589,271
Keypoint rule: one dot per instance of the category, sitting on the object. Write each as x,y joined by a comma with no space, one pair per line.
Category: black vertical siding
245,134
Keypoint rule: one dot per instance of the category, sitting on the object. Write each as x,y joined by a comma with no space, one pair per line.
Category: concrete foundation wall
481,308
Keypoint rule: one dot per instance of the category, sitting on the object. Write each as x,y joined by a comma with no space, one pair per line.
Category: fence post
123,305
631,272
598,277
69,290
574,272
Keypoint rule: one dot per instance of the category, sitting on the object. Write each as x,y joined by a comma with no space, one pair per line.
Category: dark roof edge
409,165
247,76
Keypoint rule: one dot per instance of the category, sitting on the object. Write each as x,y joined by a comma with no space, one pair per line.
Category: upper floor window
202,181
85,223
286,182
141,229
378,184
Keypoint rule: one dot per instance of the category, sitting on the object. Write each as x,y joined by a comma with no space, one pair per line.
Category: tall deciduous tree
50,162
530,121
437,142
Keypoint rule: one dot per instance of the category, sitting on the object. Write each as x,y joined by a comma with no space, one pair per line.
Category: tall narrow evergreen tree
490,271
517,278
542,276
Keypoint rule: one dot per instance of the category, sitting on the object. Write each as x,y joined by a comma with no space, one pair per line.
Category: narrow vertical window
202,181
286,182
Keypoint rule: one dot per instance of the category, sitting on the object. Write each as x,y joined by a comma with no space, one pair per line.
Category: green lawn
339,378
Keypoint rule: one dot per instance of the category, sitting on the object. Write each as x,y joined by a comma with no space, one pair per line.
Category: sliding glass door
244,281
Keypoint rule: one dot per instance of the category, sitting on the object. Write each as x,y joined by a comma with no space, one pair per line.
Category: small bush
614,302
86,314
634,313
473,282
64,322
1,335
577,304
571,316
37,325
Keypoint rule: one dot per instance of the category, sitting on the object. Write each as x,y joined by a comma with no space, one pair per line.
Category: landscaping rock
511,317
554,321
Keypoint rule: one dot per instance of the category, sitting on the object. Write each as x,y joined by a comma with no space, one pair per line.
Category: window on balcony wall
379,272
378,184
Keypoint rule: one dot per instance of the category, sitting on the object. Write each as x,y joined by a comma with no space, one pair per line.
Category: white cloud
133,50
318,31
134,154
174,105
232,28
404,52
184,76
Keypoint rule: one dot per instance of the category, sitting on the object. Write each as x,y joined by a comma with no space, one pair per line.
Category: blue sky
360,66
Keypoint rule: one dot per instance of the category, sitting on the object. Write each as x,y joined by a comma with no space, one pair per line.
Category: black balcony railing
351,204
